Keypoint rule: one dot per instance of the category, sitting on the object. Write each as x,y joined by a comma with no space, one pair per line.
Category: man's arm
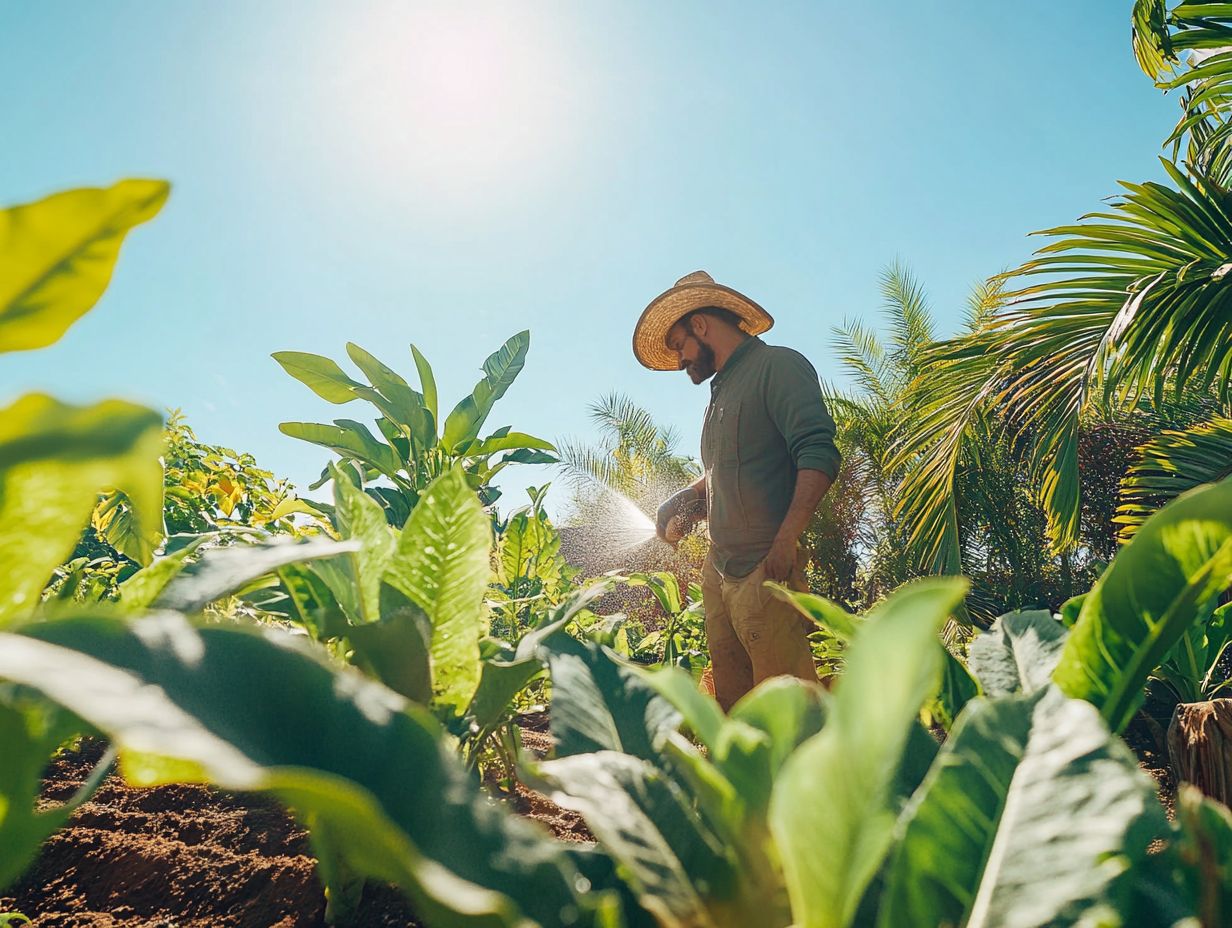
796,406
811,486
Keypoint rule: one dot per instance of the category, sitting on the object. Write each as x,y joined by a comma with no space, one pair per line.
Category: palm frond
624,421
909,316
1134,300
983,303
953,392
636,457
861,352
1205,76
1151,39
1169,465
583,464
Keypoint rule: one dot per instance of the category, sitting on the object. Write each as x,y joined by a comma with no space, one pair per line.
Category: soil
1146,737
195,857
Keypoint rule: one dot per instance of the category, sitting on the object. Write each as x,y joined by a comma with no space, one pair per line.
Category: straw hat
693,291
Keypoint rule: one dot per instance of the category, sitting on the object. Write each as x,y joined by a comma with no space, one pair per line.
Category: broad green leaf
31,730
677,867
115,519
293,505
395,648
958,687
1169,575
360,518
749,748
396,398
319,374
1018,654
528,548
1030,816
54,461
602,703
142,588
508,442
527,456
223,571
500,369
427,383
1071,608
829,615
246,709
442,565
788,710
338,579
1205,848
833,808
349,439
700,712
665,587
310,602
57,255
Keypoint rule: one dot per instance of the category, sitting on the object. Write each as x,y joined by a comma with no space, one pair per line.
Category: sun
462,94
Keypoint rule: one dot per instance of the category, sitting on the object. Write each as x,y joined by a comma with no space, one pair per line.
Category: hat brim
665,310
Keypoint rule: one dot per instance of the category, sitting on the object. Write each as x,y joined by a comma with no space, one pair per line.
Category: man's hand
674,516
781,559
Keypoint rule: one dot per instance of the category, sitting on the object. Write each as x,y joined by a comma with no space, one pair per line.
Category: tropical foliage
417,444
1121,317
378,662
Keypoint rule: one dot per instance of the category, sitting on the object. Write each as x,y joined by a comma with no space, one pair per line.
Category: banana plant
1191,671
416,446
697,829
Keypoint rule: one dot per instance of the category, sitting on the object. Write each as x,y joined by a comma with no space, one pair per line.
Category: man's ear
698,323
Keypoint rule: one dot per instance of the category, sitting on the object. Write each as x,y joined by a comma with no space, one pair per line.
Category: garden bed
191,857
194,857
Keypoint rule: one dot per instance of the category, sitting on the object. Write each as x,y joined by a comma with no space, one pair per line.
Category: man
768,458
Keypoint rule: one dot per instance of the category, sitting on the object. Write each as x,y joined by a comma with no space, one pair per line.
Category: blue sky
450,173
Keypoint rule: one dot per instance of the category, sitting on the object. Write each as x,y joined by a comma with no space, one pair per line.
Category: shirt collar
745,348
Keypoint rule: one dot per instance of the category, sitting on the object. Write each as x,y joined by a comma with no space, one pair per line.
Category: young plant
531,575
681,642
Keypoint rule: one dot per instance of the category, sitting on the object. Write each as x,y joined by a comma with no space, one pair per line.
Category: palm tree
991,528
636,458
868,418
1127,312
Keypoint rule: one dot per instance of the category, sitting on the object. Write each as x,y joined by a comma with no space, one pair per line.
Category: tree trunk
1200,746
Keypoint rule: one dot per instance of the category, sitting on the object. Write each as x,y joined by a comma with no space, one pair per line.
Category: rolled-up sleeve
795,405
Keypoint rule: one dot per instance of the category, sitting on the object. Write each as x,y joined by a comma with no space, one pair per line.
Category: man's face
695,355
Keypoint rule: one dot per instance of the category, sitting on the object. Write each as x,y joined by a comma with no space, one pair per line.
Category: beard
703,368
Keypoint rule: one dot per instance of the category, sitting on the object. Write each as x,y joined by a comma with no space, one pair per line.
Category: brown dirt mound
195,857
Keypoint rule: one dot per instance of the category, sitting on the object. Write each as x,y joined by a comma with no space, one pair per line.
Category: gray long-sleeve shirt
766,421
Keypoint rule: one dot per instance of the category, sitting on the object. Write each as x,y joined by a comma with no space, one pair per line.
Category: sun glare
462,95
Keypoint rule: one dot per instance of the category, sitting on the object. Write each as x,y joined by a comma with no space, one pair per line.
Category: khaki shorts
752,634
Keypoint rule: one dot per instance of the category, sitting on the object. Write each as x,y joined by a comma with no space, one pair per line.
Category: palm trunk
1200,746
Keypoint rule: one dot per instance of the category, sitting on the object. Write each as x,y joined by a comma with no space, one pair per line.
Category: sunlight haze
449,174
